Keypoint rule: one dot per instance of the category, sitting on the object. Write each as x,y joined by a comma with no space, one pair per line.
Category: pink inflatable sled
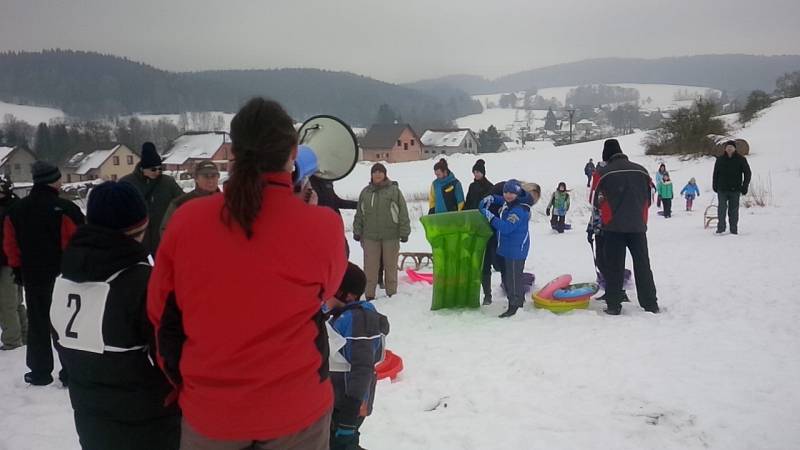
416,277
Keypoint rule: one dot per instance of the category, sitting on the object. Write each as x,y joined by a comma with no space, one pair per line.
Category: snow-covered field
719,368
661,96
34,115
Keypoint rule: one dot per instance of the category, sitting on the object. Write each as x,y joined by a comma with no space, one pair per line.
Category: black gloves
404,239
357,237
744,190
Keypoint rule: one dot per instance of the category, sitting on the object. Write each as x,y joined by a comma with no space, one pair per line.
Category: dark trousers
600,254
615,245
349,442
489,259
728,203
667,207
100,433
39,356
588,180
512,279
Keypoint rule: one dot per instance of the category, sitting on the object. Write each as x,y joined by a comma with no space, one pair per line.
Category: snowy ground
34,115
719,368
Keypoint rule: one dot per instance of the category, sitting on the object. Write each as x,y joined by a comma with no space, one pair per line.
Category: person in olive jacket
731,180
381,224
157,189
206,182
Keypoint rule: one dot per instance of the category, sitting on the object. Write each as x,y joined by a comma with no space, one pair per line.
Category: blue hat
512,186
118,206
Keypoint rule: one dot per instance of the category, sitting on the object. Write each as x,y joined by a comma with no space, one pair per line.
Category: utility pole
571,112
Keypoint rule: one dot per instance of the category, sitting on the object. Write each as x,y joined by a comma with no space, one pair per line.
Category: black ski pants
39,356
614,248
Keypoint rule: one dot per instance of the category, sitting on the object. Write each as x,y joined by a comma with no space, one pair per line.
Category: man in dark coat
157,189
206,182
731,180
117,392
588,170
35,232
623,192
478,190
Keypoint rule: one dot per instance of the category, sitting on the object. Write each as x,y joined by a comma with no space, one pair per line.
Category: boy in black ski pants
356,333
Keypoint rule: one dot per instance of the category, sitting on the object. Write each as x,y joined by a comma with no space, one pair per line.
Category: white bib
77,314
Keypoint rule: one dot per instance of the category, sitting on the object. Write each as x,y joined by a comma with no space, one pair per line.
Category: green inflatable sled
458,241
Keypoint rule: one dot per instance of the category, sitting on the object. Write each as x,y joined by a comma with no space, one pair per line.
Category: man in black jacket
478,190
116,391
731,180
206,182
157,189
623,196
35,232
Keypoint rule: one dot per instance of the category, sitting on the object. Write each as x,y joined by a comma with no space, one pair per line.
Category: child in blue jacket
356,334
513,238
689,192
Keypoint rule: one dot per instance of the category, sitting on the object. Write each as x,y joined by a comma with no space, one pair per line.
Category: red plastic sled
391,366
416,277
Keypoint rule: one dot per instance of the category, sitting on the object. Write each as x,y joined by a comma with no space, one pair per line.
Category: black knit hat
150,157
378,167
45,173
118,206
354,282
480,166
610,148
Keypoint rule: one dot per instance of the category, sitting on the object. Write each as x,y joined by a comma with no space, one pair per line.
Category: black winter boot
613,310
509,312
487,300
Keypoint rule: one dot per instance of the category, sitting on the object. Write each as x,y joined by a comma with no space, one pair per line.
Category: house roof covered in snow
445,138
82,162
383,136
5,152
194,146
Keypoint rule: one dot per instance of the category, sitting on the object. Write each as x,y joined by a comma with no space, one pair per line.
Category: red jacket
238,322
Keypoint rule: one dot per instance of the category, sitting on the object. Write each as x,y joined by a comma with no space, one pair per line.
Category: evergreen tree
41,144
550,122
386,115
489,140
756,101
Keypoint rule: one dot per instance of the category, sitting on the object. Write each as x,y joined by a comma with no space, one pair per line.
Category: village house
109,165
190,148
391,143
16,163
448,142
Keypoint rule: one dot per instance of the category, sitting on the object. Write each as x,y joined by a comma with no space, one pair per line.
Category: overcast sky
399,41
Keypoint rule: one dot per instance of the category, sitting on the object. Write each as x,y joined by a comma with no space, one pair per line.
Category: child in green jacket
665,192
559,204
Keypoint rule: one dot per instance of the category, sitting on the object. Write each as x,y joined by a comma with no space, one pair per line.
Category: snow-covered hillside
651,97
717,369
34,115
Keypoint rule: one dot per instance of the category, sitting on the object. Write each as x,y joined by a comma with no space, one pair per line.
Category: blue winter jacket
365,330
446,195
690,190
513,235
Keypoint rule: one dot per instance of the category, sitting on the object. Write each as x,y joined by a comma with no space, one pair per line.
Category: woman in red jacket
235,298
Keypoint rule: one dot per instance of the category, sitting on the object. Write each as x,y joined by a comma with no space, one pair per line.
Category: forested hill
91,85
